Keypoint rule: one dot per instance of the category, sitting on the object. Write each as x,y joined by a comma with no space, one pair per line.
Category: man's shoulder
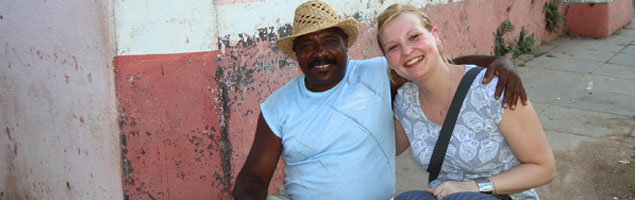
281,93
368,66
374,61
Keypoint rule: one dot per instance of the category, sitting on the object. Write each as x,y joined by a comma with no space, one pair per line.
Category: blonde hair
397,9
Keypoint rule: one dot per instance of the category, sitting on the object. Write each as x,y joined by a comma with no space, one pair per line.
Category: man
333,125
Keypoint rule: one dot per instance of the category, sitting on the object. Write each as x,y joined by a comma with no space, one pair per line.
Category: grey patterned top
477,149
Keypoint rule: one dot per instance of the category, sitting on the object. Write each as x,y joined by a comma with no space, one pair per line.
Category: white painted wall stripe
155,27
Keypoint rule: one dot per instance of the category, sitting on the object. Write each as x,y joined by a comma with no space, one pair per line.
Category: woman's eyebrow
412,30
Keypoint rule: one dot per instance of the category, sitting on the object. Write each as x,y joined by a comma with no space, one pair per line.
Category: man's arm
253,180
508,78
401,140
395,82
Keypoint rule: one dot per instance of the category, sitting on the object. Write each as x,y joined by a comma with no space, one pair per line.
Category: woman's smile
411,63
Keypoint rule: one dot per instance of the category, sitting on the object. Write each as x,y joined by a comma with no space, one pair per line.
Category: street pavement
582,90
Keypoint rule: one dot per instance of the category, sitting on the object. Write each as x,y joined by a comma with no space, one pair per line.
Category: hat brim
348,25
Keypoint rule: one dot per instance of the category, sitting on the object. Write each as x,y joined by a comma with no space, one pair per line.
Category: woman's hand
450,187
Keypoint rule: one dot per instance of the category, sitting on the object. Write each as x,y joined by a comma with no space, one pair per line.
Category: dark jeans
423,195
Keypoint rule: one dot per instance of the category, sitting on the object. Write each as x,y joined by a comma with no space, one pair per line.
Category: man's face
322,58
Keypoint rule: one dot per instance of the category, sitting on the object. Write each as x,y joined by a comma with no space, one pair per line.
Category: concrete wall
57,102
190,76
598,20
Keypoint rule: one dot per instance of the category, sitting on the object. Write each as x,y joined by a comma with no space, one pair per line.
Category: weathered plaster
151,27
171,105
469,27
173,142
248,17
589,1
57,102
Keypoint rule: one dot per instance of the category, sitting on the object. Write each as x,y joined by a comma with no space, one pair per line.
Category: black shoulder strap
438,155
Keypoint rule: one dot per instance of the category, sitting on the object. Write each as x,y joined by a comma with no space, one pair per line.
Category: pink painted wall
186,118
213,97
57,102
469,27
598,20
169,119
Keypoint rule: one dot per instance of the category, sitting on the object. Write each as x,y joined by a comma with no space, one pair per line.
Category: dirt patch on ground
601,169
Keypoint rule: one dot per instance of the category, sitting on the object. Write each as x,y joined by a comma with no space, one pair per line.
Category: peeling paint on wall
194,26
173,142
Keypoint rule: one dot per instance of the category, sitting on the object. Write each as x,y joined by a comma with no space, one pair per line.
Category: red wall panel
172,143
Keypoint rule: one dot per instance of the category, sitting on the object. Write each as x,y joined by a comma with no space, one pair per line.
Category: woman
499,146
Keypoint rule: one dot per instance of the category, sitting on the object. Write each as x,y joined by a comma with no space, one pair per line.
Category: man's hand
508,80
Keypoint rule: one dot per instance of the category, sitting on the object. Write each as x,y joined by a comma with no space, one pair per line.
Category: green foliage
501,47
552,15
522,46
539,54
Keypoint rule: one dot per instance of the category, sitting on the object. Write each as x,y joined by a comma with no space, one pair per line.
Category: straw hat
314,16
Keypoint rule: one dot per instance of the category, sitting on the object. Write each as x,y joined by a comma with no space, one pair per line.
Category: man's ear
344,37
293,44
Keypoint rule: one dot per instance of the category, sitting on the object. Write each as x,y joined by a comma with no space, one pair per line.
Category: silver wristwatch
484,185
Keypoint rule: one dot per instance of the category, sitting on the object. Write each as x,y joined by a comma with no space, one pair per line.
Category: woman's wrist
474,187
485,185
493,181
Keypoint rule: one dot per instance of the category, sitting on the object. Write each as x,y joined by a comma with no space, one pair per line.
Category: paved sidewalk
582,89
581,84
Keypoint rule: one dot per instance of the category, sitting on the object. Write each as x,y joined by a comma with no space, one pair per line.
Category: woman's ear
435,33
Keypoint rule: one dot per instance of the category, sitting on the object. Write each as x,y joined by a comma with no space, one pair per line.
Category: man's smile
321,64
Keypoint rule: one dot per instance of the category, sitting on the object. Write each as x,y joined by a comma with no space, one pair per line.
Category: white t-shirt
337,144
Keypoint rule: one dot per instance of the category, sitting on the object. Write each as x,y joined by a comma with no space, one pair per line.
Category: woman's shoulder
477,83
406,95
408,89
480,98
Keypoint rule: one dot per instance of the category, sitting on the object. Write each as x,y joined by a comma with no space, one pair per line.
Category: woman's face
409,47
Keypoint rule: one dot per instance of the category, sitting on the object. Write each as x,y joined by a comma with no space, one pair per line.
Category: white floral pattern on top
477,149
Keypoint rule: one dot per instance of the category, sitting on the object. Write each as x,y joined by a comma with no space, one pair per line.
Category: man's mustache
327,61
